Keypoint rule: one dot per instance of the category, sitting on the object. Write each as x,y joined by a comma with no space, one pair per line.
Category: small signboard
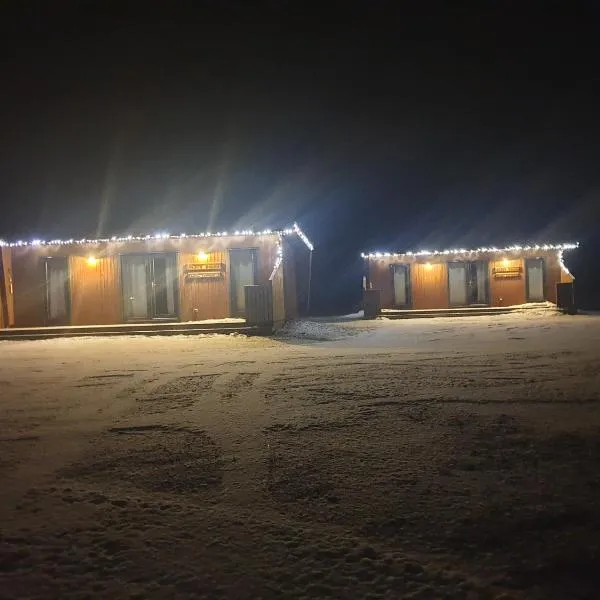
509,272
204,275
208,270
199,267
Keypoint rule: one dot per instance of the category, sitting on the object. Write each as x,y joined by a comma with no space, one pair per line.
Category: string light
562,264
491,250
295,229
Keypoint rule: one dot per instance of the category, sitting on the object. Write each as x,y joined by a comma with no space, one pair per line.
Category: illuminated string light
562,264
491,250
92,261
303,237
295,229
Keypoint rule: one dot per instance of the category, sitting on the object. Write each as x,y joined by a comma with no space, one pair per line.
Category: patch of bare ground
156,458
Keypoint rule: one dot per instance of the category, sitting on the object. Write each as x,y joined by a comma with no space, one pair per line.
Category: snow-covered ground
433,458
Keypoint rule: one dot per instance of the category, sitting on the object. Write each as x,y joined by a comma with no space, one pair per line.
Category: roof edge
158,236
516,248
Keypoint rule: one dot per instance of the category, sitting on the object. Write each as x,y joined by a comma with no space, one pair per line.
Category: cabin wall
96,290
507,291
7,313
553,276
28,287
429,280
204,298
429,285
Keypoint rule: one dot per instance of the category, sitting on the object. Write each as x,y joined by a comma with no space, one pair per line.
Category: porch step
45,333
448,312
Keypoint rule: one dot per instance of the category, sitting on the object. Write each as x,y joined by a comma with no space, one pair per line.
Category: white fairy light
562,264
295,229
490,250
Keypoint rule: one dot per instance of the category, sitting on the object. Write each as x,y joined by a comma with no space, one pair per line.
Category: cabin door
149,286
457,283
242,270
58,295
468,283
401,275
534,268
477,282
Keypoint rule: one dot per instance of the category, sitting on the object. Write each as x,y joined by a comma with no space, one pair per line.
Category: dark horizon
467,127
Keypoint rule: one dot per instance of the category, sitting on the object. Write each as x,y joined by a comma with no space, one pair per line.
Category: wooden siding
96,296
278,297
289,282
429,285
28,288
7,314
201,299
552,277
381,279
95,291
505,291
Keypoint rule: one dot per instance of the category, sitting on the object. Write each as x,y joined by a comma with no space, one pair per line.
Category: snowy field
431,458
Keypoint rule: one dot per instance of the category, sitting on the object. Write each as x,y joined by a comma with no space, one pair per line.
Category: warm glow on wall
92,261
428,266
505,262
202,256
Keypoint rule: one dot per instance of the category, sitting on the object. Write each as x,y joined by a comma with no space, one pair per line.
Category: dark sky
373,128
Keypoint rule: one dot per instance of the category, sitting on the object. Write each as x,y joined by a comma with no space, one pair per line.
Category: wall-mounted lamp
428,266
92,261
202,256
505,262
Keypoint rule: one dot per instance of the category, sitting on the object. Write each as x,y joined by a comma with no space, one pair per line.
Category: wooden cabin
467,278
151,278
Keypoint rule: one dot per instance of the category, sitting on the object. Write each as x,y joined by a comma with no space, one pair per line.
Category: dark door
477,282
149,286
57,296
401,277
163,272
534,268
242,271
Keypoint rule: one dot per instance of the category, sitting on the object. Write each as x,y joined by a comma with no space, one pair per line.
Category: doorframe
255,253
465,263
454,262
543,261
487,282
68,316
149,289
408,270
152,298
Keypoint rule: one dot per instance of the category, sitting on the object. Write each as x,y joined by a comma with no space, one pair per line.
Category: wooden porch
224,326
388,313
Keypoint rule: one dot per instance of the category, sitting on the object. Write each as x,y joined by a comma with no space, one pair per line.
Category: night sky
372,128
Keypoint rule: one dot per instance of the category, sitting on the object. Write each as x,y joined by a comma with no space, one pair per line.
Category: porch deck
222,326
389,313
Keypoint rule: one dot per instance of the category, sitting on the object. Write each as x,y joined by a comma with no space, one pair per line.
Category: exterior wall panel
95,291
96,296
429,284
201,299
507,291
